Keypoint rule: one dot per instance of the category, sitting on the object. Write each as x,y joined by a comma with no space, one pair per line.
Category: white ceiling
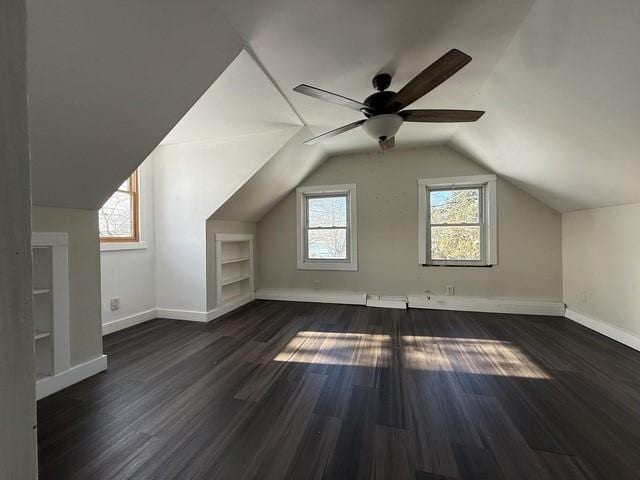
242,101
564,108
558,79
277,177
339,46
242,138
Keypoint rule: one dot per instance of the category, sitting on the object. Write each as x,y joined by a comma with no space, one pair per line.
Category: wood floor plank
315,449
319,391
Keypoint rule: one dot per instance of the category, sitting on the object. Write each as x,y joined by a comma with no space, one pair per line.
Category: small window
326,228
457,221
118,217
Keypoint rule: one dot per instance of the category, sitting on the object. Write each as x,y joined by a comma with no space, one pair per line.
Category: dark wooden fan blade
441,116
333,133
428,79
330,97
387,144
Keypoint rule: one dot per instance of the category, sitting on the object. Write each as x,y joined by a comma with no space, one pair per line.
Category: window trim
489,215
304,263
134,191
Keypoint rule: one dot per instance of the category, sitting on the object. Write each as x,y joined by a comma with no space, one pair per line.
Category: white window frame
488,217
304,263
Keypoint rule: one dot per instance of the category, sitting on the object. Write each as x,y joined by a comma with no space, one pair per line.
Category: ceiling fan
384,109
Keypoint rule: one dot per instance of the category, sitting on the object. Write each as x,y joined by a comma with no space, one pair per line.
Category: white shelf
39,335
239,278
234,267
50,276
235,260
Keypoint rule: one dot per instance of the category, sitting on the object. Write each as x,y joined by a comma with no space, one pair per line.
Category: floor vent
382,301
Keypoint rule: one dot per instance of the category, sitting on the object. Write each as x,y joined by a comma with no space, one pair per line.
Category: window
457,223
326,226
119,216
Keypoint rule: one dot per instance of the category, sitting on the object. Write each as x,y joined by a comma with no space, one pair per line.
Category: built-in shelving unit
234,268
50,306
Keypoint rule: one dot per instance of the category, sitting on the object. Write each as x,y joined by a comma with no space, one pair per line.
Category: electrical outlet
451,290
583,296
316,284
115,303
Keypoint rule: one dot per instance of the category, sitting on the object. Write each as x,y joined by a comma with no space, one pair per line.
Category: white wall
85,326
529,234
191,181
130,274
17,394
601,266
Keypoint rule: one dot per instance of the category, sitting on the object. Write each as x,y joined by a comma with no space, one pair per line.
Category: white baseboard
605,329
229,307
488,305
316,296
48,385
129,321
195,316
174,314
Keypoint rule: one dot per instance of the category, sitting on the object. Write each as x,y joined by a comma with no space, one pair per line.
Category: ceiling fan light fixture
382,126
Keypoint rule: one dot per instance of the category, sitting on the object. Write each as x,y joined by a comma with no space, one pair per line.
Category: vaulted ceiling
339,46
557,78
564,108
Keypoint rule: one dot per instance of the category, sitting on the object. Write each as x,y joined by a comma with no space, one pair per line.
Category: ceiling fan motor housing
377,101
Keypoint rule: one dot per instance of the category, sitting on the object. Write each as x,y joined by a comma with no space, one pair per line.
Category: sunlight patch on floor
468,355
424,353
336,348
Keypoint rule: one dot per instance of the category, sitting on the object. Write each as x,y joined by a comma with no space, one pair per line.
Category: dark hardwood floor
293,390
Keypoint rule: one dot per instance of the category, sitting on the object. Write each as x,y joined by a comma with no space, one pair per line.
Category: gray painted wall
529,234
225,226
17,391
85,328
601,257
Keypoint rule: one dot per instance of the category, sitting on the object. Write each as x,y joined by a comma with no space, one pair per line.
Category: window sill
116,246
459,265
338,266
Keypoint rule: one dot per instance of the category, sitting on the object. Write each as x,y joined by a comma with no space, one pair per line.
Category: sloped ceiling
107,81
564,108
241,134
340,46
242,101
277,177
558,79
